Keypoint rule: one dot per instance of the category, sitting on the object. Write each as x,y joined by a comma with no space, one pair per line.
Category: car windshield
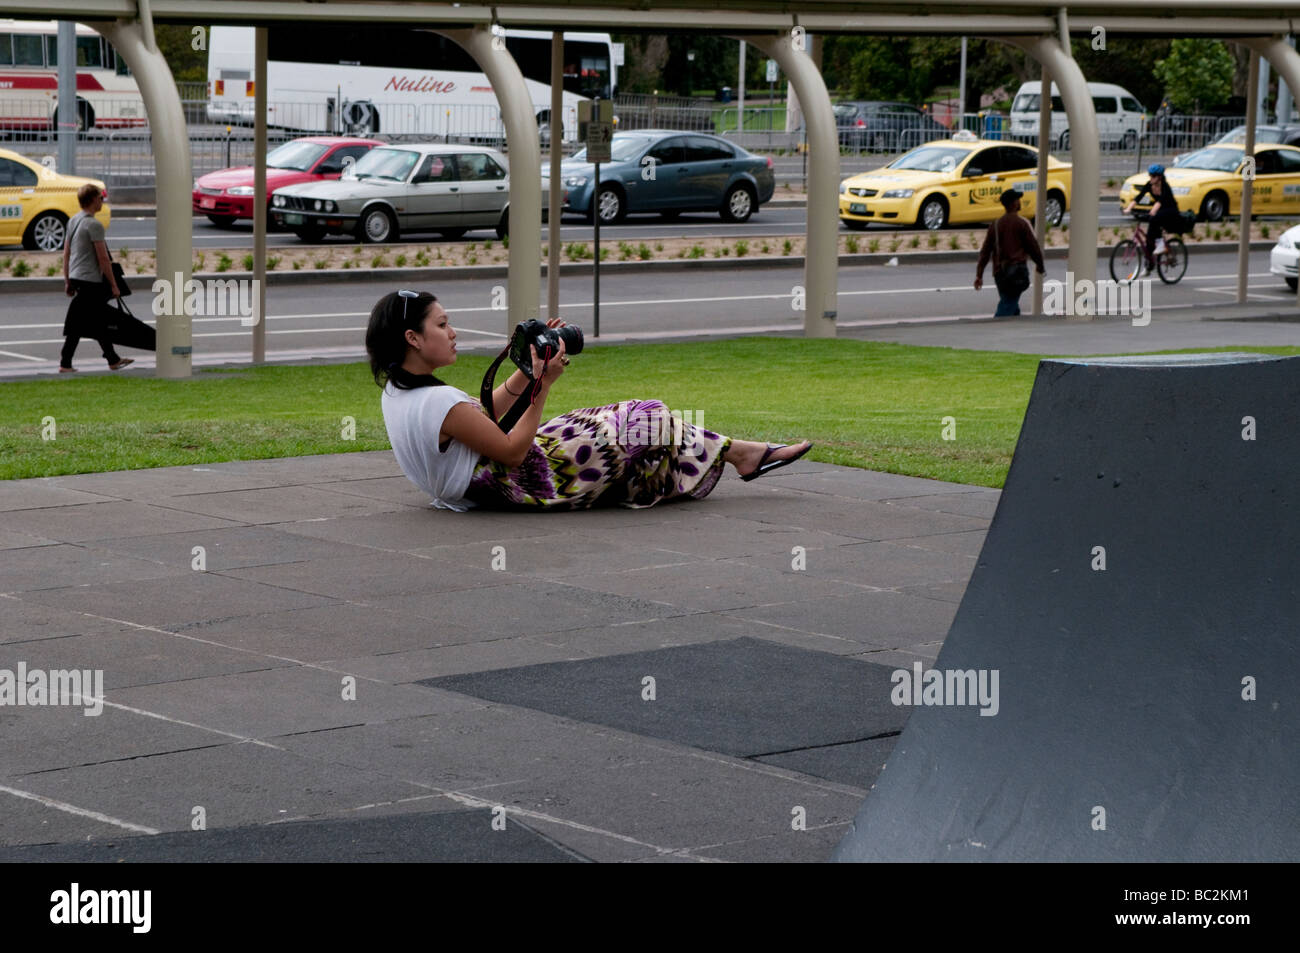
845,110
393,164
1029,102
621,148
1213,160
1238,135
930,159
299,156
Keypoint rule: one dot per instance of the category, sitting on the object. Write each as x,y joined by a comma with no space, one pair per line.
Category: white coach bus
365,82
107,96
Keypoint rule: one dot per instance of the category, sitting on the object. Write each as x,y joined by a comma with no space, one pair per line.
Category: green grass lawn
865,404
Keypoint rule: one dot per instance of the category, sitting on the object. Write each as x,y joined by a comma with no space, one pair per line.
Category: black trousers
1156,227
86,317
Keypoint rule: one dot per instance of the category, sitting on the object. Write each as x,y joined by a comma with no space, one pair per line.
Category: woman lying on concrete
448,446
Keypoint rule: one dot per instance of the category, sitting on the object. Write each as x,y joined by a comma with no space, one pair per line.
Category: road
327,320
133,233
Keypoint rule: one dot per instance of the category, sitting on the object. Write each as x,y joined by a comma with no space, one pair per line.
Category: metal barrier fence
644,111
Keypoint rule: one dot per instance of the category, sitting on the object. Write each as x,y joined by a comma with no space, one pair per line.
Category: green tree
1197,74
176,43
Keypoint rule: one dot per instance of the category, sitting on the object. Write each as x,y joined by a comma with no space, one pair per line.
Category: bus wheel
46,232
377,225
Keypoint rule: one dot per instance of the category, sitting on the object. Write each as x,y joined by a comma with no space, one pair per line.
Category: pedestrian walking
88,280
1010,243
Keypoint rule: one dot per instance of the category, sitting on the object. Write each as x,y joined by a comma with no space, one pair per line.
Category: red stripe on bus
85,82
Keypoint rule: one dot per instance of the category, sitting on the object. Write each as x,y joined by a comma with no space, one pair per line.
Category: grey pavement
348,676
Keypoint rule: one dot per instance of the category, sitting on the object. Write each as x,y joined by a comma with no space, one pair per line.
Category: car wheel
852,225
503,226
222,221
738,204
377,225
934,213
310,235
609,202
1292,283
46,232
1214,207
451,234
1054,208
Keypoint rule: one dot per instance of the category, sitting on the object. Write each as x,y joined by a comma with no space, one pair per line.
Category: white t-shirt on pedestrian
414,419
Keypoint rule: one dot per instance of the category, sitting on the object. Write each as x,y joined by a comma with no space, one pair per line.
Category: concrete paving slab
26,821
980,503
886,619
12,539
332,631
146,485
38,494
280,701
468,656
231,548
92,521
25,621
858,763
134,656
282,504
558,555
190,597
235,784
742,697
419,529
861,484
392,489
50,567
880,565
714,585
320,468
372,576
968,543
715,537
811,846
449,837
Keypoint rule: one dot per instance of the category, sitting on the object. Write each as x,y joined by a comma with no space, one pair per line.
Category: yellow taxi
36,203
1209,182
953,180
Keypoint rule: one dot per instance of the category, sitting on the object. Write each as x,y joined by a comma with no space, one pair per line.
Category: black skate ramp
1147,710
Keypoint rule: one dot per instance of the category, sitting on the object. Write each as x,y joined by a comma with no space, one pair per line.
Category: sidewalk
522,687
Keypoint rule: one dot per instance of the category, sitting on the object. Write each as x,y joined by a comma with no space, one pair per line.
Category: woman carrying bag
89,279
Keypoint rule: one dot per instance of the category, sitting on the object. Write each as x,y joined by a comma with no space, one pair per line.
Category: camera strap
522,402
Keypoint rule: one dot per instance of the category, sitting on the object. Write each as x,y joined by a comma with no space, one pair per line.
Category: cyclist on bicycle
1164,211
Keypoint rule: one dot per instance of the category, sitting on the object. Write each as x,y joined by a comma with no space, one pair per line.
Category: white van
1120,116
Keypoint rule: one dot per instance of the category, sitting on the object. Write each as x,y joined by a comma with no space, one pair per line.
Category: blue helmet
1155,168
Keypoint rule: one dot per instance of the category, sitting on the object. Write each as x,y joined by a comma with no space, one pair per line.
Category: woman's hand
556,323
553,369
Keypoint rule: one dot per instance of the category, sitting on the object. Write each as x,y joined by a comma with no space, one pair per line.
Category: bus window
28,50
6,49
89,52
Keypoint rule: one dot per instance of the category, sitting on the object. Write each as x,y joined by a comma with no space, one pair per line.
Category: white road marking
79,811
25,357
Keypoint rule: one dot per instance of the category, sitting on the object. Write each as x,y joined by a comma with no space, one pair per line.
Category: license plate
207,203
291,218
858,208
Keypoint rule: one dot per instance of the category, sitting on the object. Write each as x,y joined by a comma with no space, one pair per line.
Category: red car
228,195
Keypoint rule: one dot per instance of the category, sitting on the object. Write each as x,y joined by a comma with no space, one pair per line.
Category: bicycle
1128,257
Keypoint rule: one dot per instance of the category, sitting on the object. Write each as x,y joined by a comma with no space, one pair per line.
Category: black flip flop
765,467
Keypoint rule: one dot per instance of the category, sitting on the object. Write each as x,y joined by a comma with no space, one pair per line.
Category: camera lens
571,335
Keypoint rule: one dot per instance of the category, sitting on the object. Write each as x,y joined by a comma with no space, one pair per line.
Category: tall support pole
1261,103
67,118
1285,60
525,223
822,248
740,104
1040,187
961,96
1248,185
555,197
134,42
1085,154
259,193
1284,98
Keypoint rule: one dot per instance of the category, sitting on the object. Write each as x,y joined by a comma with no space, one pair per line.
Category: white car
1283,258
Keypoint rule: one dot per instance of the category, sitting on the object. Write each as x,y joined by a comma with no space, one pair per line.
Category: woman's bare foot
745,455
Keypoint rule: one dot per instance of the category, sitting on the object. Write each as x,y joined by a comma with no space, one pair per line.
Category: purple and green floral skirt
634,453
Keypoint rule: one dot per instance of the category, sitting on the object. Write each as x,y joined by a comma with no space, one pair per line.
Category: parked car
669,172
881,126
1285,255
412,187
954,180
36,203
1210,181
1120,117
228,195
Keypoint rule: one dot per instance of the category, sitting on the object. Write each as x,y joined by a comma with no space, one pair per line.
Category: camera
534,333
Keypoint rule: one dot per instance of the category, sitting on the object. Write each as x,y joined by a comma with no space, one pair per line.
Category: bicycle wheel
1126,260
1172,265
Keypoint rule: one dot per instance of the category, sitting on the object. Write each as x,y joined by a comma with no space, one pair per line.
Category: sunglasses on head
406,297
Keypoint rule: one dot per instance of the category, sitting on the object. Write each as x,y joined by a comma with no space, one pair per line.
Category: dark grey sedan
669,172
879,126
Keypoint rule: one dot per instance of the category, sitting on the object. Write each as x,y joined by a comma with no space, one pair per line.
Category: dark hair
386,339
1009,196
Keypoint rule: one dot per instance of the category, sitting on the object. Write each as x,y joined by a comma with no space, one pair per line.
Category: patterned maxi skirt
634,453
